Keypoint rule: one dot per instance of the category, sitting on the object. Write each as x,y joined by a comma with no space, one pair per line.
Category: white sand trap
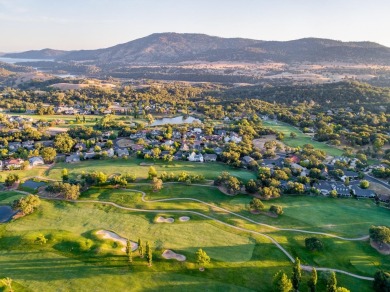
184,218
168,254
163,220
115,237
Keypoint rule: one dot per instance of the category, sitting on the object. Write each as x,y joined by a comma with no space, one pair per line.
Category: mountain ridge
168,48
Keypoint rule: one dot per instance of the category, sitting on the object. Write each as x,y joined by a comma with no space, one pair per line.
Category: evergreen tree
312,283
147,247
149,256
331,285
282,283
140,248
297,274
382,281
202,258
129,252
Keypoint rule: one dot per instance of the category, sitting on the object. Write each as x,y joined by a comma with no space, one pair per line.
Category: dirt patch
381,248
125,143
161,219
378,188
269,214
146,164
115,237
184,218
224,190
169,254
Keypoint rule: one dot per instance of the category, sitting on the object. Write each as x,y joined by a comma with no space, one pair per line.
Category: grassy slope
301,138
209,170
315,213
256,259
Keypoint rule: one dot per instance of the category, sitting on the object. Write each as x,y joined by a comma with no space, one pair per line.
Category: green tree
11,179
333,194
149,254
27,205
380,234
342,289
331,283
65,175
313,243
48,154
256,204
312,283
8,283
202,258
282,283
140,248
381,281
41,239
297,274
63,143
152,172
157,184
278,210
364,184
129,251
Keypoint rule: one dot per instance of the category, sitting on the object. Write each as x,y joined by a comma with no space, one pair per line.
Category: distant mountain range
173,48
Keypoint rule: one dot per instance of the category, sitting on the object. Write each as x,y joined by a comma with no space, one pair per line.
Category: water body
175,121
18,60
6,213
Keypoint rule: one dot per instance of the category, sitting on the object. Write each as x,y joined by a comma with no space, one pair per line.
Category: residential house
210,157
246,160
195,157
324,187
122,152
362,193
14,163
110,152
342,190
73,158
36,160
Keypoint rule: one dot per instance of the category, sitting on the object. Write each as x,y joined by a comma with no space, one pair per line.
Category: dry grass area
379,189
125,143
88,83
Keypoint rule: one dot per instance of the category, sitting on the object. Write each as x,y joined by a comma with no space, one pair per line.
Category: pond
33,184
6,213
175,121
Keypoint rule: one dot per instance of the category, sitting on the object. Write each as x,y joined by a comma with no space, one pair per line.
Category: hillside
171,48
37,54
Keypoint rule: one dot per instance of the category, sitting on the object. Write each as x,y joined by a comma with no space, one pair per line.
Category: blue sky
91,24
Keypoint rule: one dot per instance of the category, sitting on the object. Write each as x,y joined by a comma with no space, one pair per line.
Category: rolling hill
172,48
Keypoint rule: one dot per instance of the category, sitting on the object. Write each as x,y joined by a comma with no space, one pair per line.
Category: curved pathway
291,258
246,218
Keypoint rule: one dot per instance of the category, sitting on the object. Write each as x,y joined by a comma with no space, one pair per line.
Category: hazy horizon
73,25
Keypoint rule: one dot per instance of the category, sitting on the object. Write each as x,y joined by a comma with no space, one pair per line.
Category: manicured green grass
7,197
318,214
132,165
30,264
301,138
33,172
75,259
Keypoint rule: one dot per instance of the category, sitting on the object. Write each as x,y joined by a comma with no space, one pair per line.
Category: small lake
175,121
18,60
6,213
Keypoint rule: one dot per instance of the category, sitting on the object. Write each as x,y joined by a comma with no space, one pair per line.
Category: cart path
290,257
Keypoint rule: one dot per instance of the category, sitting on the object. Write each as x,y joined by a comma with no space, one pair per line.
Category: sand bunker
168,254
163,220
184,218
115,237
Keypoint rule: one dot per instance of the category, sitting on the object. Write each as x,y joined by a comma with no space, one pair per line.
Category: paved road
373,179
